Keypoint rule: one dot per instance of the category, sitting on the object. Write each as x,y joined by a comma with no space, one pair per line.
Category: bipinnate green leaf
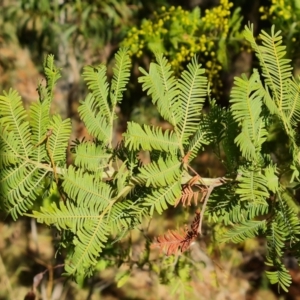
161,85
95,122
275,68
28,153
13,118
161,197
252,186
150,138
63,216
246,100
96,80
52,74
21,185
281,276
40,123
199,141
121,76
244,230
91,157
98,110
86,189
9,147
291,106
58,140
88,244
160,173
193,92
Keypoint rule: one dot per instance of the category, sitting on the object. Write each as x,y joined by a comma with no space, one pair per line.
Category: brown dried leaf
191,191
174,241
196,222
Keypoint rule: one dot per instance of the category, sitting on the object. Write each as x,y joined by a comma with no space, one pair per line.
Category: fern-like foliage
150,138
159,199
246,229
98,109
178,101
163,88
281,90
257,102
120,202
91,157
246,109
90,198
108,192
276,68
192,87
160,173
28,155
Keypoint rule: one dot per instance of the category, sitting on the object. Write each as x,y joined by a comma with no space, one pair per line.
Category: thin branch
219,181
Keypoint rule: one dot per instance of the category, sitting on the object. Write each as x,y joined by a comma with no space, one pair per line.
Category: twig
209,190
46,138
34,234
38,277
219,181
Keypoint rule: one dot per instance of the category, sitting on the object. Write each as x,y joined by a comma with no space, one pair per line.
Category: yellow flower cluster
285,15
279,9
218,17
154,34
181,34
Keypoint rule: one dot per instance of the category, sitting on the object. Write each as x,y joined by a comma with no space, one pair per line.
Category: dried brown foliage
190,191
174,241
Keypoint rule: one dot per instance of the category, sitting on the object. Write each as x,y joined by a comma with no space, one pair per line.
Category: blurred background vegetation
81,32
